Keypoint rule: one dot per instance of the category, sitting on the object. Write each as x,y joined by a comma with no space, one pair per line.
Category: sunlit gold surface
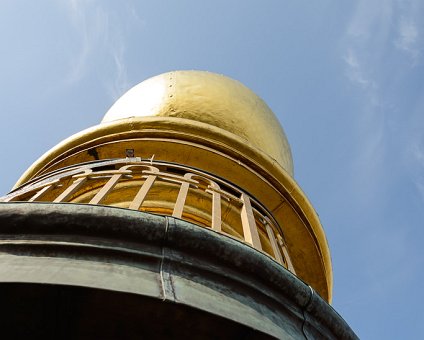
208,98
242,151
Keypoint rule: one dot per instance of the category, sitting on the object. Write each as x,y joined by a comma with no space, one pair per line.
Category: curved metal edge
184,253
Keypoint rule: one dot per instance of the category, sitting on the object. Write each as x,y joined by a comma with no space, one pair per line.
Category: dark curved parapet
162,262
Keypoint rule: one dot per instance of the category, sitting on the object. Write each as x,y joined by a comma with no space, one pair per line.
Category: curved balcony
167,189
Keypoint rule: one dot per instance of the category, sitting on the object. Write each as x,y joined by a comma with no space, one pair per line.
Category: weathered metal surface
71,312
164,258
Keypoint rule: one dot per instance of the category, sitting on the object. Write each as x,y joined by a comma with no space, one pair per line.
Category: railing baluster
142,193
182,194
273,242
216,211
100,196
40,193
286,254
216,218
70,190
250,230
179,204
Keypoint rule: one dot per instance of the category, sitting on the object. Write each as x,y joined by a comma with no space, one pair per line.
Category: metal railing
137,184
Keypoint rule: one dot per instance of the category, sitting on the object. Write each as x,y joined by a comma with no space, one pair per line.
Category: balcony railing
165,188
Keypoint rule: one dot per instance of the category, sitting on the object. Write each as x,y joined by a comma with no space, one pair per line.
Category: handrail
258,226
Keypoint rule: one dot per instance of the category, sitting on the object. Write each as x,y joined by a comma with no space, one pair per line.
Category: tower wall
88,271
177,216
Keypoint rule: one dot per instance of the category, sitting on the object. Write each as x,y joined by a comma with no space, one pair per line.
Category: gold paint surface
208,98
231,135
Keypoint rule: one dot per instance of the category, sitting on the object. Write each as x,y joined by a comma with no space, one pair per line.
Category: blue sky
345,78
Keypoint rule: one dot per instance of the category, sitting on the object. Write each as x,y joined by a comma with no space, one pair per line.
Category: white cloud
120,83
407,38
417,157
78,62
364,42
100,38
363,45
355,71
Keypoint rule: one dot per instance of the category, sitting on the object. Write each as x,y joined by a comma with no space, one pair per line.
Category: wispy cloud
384,127
120,82
100,38
364,40
407,38
370,19
91,26
356,73
373,34
416,156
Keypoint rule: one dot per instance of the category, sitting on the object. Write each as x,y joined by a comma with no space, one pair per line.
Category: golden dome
210,124
208,98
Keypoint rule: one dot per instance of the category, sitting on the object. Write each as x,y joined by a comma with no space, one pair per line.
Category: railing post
216,211
179,204
71,189
273,241
215,190
286,255
250,230
100,196
182,195
142,193
43,191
